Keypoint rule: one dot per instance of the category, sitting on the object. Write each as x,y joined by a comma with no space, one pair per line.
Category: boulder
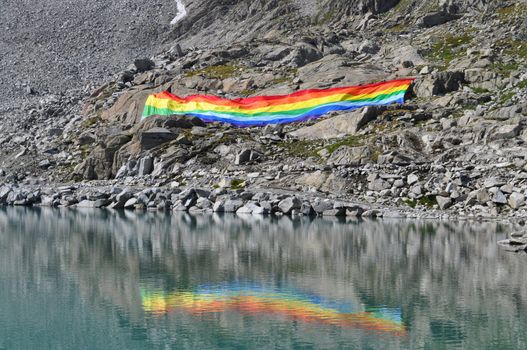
146,166
218,207
320,206
130,204
335,212
86,138
315,180
439,84
504,113
155,137
516,200
232,205
505,132
379,185
123,196
302,54
336,68
129,107
436,18
99,203
204,203
345,124
354,156
306,209
99,164
144,65
289,204
499,198
444,202
412,179
246,156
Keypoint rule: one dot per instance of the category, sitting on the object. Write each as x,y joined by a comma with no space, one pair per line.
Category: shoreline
245,201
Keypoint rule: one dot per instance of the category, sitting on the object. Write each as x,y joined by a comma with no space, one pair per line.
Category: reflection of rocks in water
517,242
442,275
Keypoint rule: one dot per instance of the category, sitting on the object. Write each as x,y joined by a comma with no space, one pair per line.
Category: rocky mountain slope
456,147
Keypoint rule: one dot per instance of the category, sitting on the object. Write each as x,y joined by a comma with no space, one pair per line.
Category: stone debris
456,147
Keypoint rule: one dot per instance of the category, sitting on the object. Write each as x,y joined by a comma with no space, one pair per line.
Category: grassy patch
350,141
402,6
479,90
512,11
522,84
426,201
448,48
506,97
287,77
88,123
216,72
506,12
247,92
237,184
300,148
505,68
516,48
399,27
411,203
376,152
281,80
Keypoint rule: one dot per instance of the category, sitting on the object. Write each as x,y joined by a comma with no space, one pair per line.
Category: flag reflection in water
258,300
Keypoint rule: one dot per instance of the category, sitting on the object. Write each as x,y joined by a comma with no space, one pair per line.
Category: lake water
95,279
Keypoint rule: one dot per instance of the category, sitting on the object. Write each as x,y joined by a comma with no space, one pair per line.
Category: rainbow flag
264,110
289,304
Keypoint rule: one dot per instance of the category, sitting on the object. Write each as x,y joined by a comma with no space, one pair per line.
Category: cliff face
51,46
467,111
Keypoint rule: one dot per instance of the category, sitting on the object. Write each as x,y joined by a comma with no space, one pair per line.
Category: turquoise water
95,279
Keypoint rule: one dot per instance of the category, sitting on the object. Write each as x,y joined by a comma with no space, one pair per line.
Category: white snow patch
181,12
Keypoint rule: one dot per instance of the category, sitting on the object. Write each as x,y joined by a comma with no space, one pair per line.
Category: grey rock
154,137
412,179
44,164
144,65
372,213
92,204
320,206
436,18
504,113
146,166
258,210
483,196
218,207
345,124
130,204
307,210
232,205
499,198
506,132
494,182
335,212
444,202
246,156
439,84
516,200
345,155
369,46
123,196
204,203
86,138
289,204
244,210
4,192
378,185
